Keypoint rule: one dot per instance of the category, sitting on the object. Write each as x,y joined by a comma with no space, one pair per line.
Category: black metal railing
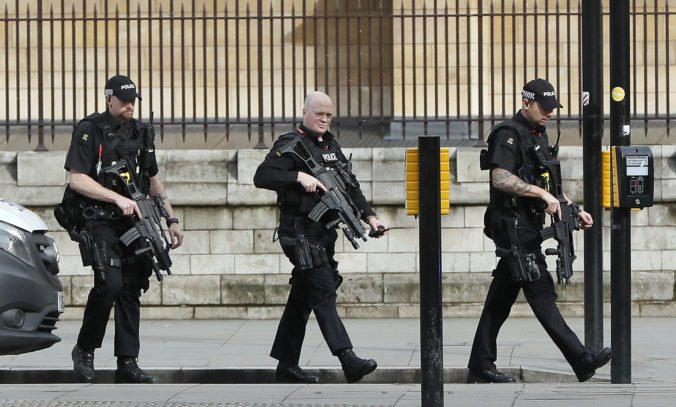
241,68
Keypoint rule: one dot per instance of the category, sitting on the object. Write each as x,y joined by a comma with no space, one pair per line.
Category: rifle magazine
318,211
130,236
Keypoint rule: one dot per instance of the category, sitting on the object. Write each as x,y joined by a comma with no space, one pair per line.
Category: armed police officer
106,212
307,235
520,200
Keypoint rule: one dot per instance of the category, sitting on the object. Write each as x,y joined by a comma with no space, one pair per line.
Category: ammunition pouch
523,267
319,256
301,243
303,254
308,257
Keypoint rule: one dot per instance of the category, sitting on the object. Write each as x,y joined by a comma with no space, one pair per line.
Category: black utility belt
101,212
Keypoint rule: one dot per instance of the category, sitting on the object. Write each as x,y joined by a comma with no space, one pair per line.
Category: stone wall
229,267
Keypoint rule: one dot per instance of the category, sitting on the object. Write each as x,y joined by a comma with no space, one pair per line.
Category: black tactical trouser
541,296
120,286
312,290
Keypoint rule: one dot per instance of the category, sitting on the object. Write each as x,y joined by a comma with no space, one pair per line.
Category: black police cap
122,87
543,92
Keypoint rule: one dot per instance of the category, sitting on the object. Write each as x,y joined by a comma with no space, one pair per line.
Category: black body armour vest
295,200
131,141
529,171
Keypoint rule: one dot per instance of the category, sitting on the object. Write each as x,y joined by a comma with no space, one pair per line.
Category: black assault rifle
560,229
335,198
147,230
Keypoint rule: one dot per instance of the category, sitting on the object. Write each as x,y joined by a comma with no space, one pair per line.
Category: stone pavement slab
240,347
221,344
289,395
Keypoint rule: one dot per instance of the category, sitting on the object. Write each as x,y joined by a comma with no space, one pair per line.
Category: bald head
317,112
316,97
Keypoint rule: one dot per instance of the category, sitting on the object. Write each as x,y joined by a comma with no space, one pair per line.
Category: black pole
431,330
592,138
259,26
620,242
41,93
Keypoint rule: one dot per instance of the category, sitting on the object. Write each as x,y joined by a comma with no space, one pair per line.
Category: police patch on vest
329,157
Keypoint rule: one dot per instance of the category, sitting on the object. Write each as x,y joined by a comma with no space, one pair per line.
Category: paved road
221,350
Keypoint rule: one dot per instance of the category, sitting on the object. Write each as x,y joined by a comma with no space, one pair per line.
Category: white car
31,295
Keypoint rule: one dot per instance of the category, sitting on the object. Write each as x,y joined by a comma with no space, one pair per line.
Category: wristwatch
171,221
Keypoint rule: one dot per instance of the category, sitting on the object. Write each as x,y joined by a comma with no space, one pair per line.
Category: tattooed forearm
505,181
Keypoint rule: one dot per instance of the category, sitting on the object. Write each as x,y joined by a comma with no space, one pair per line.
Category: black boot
354,367
83,364
293,374
129,372
488,376
591,361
